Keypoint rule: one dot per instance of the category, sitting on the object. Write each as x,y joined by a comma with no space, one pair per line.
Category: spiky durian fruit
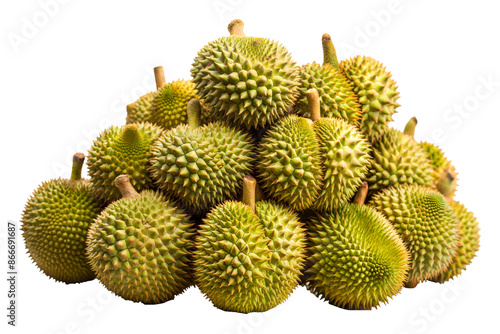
305,164
289,163
337,97
170,103
357,260
468,243
427,225
345,160
139,246
122,150
376,89
248,81
140,110
398,160
201,165
445,175
249,256
55,223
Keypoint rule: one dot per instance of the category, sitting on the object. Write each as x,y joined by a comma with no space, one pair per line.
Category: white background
71,76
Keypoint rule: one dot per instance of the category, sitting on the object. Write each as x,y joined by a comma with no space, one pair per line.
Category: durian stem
235,28
329,53
194,113
361,194
122,182
249,184
313,102
76,170
159,76
410,285
410,127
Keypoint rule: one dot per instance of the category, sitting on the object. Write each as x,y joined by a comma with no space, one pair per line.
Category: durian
140,110
307,164
122,150
398,160
140,245
357,260
249,255
201,165
468,243
427,224
444,174
336,93
376,89
248,81
55,223
169,107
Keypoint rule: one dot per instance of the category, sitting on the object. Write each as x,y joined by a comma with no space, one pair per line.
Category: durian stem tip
235,28
159,76
410,127
122,182
329,53
249,184
313,102
194,113
361,194
76,170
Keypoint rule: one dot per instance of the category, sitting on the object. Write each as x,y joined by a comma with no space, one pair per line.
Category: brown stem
126,188
410,127
329,53
313,102
159,76
361,194
249,183
235,28
76,170
194,113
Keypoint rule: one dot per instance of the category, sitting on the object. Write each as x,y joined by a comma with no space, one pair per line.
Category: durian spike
361,194
194,113
159,76
76,170
130,108
410,127
235,28
329,53
249,184
313,104
122,182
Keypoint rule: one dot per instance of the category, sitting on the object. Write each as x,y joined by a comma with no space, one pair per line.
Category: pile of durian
252,178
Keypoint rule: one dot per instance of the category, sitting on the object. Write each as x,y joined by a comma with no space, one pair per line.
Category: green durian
336,93
248,81
201,165
376,90
357,259
249,256
427,224
307,164
122,150
468,243
444,174
140,110
398,160
55,223
139,246
169,107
